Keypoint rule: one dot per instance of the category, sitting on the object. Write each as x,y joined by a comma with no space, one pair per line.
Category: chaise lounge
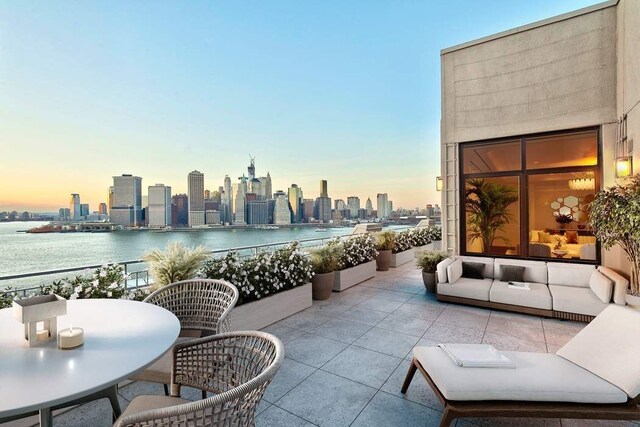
596,375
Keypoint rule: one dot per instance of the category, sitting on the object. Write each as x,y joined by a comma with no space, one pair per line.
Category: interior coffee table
120,337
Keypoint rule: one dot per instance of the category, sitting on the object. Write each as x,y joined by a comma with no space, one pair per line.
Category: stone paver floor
346,358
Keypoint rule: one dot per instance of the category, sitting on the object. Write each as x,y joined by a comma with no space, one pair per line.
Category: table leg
112,394
46,419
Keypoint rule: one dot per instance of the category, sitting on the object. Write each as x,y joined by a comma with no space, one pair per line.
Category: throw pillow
534,236
441,268
544,237
512,273
473,270
454,271
572,237
601,286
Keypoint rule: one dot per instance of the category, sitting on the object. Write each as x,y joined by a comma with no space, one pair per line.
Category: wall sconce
439,183
624,160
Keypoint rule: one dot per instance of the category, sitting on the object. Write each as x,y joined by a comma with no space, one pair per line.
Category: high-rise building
240,204
256,188
368,207
181,203
159,212
212,217
323,188
64,214
207,194
295,203
251,170
74,207
195,191
382,205
265,187
102,209
84,210
110,199
281,211
127,199
339,205
258,212
389,208
353,204
227,201
323,209
308,210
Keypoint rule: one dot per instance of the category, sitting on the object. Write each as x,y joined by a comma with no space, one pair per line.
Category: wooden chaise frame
627,411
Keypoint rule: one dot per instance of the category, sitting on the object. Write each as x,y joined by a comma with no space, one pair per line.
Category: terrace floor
346,359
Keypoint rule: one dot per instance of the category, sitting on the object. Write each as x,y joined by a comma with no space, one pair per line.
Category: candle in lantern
42,335
70,338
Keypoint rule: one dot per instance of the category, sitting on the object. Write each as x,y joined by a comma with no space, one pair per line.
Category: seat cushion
147,403
609,347
538,377
569,274
160,370
537,296
571,299
467,288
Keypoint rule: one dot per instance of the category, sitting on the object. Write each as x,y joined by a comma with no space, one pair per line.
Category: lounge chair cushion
538,377
620,284
609,347
569,274
467,288
571,299
537,296
148,403
601,285
442,269
454,271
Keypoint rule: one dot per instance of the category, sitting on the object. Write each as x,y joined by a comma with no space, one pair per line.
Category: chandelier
582,184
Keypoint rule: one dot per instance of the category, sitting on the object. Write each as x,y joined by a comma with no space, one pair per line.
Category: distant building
64,214
258,212
84,211
74,207
159,211
295,203
339,205
109,199
382,205
353,204
195,191
281,211
212,217
266,185
123,215
323,188
323,208
102,209
207,194
307,210
369,207
127,193
181,217
227,201
240,204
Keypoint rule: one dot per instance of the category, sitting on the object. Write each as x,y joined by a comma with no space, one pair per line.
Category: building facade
195,193
295,203
127,200
74,207
281,210
159,212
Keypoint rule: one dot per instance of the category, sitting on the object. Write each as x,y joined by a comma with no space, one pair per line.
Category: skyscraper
110,199
102,209
195,191
251,170
323,188
126,207
353,204
227,201
159,206
382,205
241,195
369,207
307,210
181,202
339,205
295,203
323,207
258,212
74,207
268,192
281,211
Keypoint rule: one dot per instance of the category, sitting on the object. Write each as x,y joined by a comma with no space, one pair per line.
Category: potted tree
385,242
427,262
324,262
615,218
176,263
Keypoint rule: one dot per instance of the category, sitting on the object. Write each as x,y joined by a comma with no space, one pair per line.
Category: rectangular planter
417,250
354,275
402,258
259,314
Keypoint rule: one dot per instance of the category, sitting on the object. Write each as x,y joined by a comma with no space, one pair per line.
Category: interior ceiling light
582,184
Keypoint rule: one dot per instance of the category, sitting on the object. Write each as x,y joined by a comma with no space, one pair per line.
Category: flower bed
403,241
357,262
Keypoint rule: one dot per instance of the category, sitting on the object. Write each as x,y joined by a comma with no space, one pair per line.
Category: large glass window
529,197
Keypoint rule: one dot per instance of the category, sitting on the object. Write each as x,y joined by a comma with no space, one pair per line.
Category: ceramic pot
322,285
429,280
383,260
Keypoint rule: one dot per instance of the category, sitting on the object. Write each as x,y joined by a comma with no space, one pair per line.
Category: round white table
120,338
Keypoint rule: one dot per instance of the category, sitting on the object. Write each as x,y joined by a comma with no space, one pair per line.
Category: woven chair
202,306
236,366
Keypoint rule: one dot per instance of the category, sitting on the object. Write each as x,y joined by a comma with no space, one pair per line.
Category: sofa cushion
601,285
544,237
488,264
572,236
609,347
583,240
441,269
454,271
620,284
538,377
535,271
467,288
473,270
512,273
571,299
537,296
569,274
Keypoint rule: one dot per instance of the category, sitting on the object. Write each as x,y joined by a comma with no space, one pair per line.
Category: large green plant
325,259
615,218
487,207
429,260
176,263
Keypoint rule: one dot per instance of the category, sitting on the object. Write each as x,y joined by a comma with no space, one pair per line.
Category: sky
347,91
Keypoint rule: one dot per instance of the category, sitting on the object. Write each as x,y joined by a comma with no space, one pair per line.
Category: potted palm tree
427,262
325,261
174,264
487,208
615,218
385,242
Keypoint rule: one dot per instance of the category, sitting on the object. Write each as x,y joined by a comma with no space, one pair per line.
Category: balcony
346,358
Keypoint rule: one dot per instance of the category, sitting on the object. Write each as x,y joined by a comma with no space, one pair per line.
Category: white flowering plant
403,241
261,275
108,281
355,250
421,236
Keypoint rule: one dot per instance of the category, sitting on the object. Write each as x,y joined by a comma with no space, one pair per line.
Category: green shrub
385,240
176,263
428,260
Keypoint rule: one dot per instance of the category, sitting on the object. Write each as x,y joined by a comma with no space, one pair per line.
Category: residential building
382,205
281,211
257,212
353,204
181,203
159,211
84,211
240,204
295,203
102,209
369,208
127,200
308,211
323,209
339,205
74,207
195,192
212,217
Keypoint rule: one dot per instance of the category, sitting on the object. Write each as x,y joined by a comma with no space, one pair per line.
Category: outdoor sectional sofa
561,290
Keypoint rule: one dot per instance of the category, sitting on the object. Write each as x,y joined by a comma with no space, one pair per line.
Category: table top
120,338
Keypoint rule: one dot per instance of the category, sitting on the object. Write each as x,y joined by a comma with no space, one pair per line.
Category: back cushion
441,269
488,264
620,284
609,347
586,239
601,285
454,271
572,237
535,271
569,274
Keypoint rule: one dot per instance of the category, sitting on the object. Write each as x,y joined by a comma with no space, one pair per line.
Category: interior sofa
556,289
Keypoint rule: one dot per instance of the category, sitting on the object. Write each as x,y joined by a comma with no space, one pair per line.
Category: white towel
476,356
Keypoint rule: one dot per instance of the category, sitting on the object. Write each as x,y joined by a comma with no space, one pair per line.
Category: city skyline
88,91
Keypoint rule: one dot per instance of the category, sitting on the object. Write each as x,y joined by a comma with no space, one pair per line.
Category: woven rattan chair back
199,304
237,366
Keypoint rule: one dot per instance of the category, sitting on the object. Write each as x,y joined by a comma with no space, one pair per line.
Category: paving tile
467,317
405,324
139,388
277,417
529,327
509,343
387,342
364,366
407,287
328,307
262,406
364,316
423,342
380,304
422,311
419,391
427,298
558,332
387,410
290,374
303,320
96,414
342,330
284,333
377,283
394,295
313,350
597,423
326,399
453,334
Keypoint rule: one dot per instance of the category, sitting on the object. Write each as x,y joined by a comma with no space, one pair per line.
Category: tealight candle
42,335
70,338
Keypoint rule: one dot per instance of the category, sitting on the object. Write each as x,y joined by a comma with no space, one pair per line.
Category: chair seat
467,288
147,403
572,299
160,371
538,377
537,296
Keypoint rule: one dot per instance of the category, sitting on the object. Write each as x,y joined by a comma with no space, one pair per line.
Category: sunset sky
347,91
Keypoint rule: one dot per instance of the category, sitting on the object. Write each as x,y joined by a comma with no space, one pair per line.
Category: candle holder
45,309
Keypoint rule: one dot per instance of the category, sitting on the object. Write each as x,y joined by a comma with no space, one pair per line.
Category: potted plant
487,208
615,219
427,262
385,241
324,262
563,219
176,263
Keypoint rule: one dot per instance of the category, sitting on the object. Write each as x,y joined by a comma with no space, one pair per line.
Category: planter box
417,250
259,314
352,276
402,257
